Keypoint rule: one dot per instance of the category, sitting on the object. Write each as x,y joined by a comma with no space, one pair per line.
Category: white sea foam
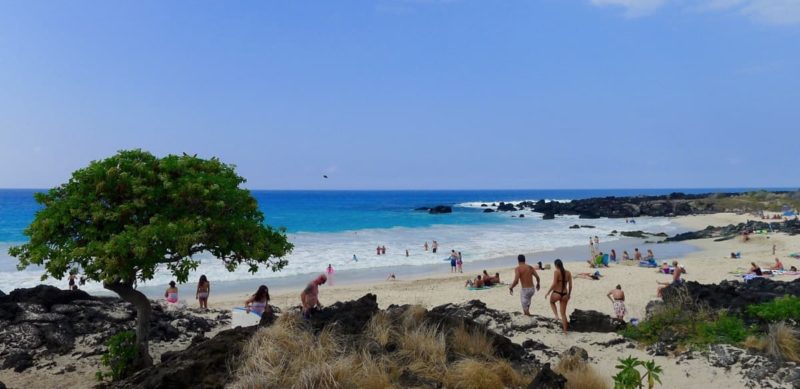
314,251
488,204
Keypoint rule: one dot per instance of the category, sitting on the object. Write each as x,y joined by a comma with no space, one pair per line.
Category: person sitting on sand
650,255
625,256
539,265
203,290
755,269
617,297
560,292
259,301
664,268
793,269
172,293
310,296
589,276
476,283
637,255
524,274
777,266
496,278
613,256
676,279
487,279
391,277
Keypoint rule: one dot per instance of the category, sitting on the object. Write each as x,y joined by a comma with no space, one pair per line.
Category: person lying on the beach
676,279
778,265
755,269
617,297
589,276
476,283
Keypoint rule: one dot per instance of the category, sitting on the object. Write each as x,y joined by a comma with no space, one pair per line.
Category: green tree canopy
123,218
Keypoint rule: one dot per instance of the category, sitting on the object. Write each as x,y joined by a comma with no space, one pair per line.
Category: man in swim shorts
524,275
617,297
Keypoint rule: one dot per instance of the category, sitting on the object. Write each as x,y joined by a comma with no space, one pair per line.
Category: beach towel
647,264
481,288
605,259
795,255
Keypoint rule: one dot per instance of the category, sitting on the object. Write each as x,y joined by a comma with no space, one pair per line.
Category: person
773,249
613,255
460,263
259,301
476,283
329,272
172,293
355,258
755,269
310,296
625,256
637,255
203,290
617,297
487,279
676,279
453,261
383,250
406,252
793,269
497,278
592,252
590,276
524,275
378,250
778,265
664,268
596,243
391,277
425,246
71,280
82,281
650,255
560,292
539,265
435,246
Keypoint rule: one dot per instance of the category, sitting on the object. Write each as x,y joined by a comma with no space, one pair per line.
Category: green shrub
692,328
780,309
120,356
724,329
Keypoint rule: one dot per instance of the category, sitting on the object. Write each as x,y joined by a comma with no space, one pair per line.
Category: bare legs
562,307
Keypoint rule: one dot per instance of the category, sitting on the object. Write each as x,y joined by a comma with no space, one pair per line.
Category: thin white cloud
784,12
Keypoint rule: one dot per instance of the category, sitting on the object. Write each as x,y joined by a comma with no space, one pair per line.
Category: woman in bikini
258,302
203,290
171,294
561,291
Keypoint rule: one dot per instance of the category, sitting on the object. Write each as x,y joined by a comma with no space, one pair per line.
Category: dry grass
288,355
579,375
473,343
781,343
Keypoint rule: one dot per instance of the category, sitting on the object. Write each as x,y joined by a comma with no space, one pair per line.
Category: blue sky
409,93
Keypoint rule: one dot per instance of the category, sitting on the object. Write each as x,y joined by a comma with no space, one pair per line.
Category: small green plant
120,356
629,376
780,309
724,329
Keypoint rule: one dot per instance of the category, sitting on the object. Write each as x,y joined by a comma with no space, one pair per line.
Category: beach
706,262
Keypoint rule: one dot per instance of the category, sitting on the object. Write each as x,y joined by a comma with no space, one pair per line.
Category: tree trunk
143,312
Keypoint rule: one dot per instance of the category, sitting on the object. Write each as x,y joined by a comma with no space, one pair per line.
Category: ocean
330,227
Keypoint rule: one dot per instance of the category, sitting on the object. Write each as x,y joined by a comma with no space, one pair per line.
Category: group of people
483,280
456,262
434,246
777,266
558,294
201,294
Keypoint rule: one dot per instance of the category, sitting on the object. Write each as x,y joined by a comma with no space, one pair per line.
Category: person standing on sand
309,298
435,246
459,263
453,261
524,274
203,290
560,292
596,243
617,297
329,272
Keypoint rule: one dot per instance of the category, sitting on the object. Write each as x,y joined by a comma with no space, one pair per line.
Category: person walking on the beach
617,297
561,291
459,263
329,272
203,290
524,274
435,246
453,261
309,298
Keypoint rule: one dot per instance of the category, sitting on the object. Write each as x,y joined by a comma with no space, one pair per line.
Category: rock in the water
593,321
548,379
548,216
506,207
440,209
574,227
488,210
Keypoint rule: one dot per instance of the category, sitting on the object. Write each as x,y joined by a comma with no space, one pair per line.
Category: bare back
617,294
525,274
562,283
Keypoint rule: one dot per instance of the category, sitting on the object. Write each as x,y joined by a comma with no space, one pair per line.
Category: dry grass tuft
580,375
508,375
381,329
781,343
471,343
755,343
423,351
472,374
413,316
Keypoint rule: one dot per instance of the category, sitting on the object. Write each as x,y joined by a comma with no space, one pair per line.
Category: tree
123,218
